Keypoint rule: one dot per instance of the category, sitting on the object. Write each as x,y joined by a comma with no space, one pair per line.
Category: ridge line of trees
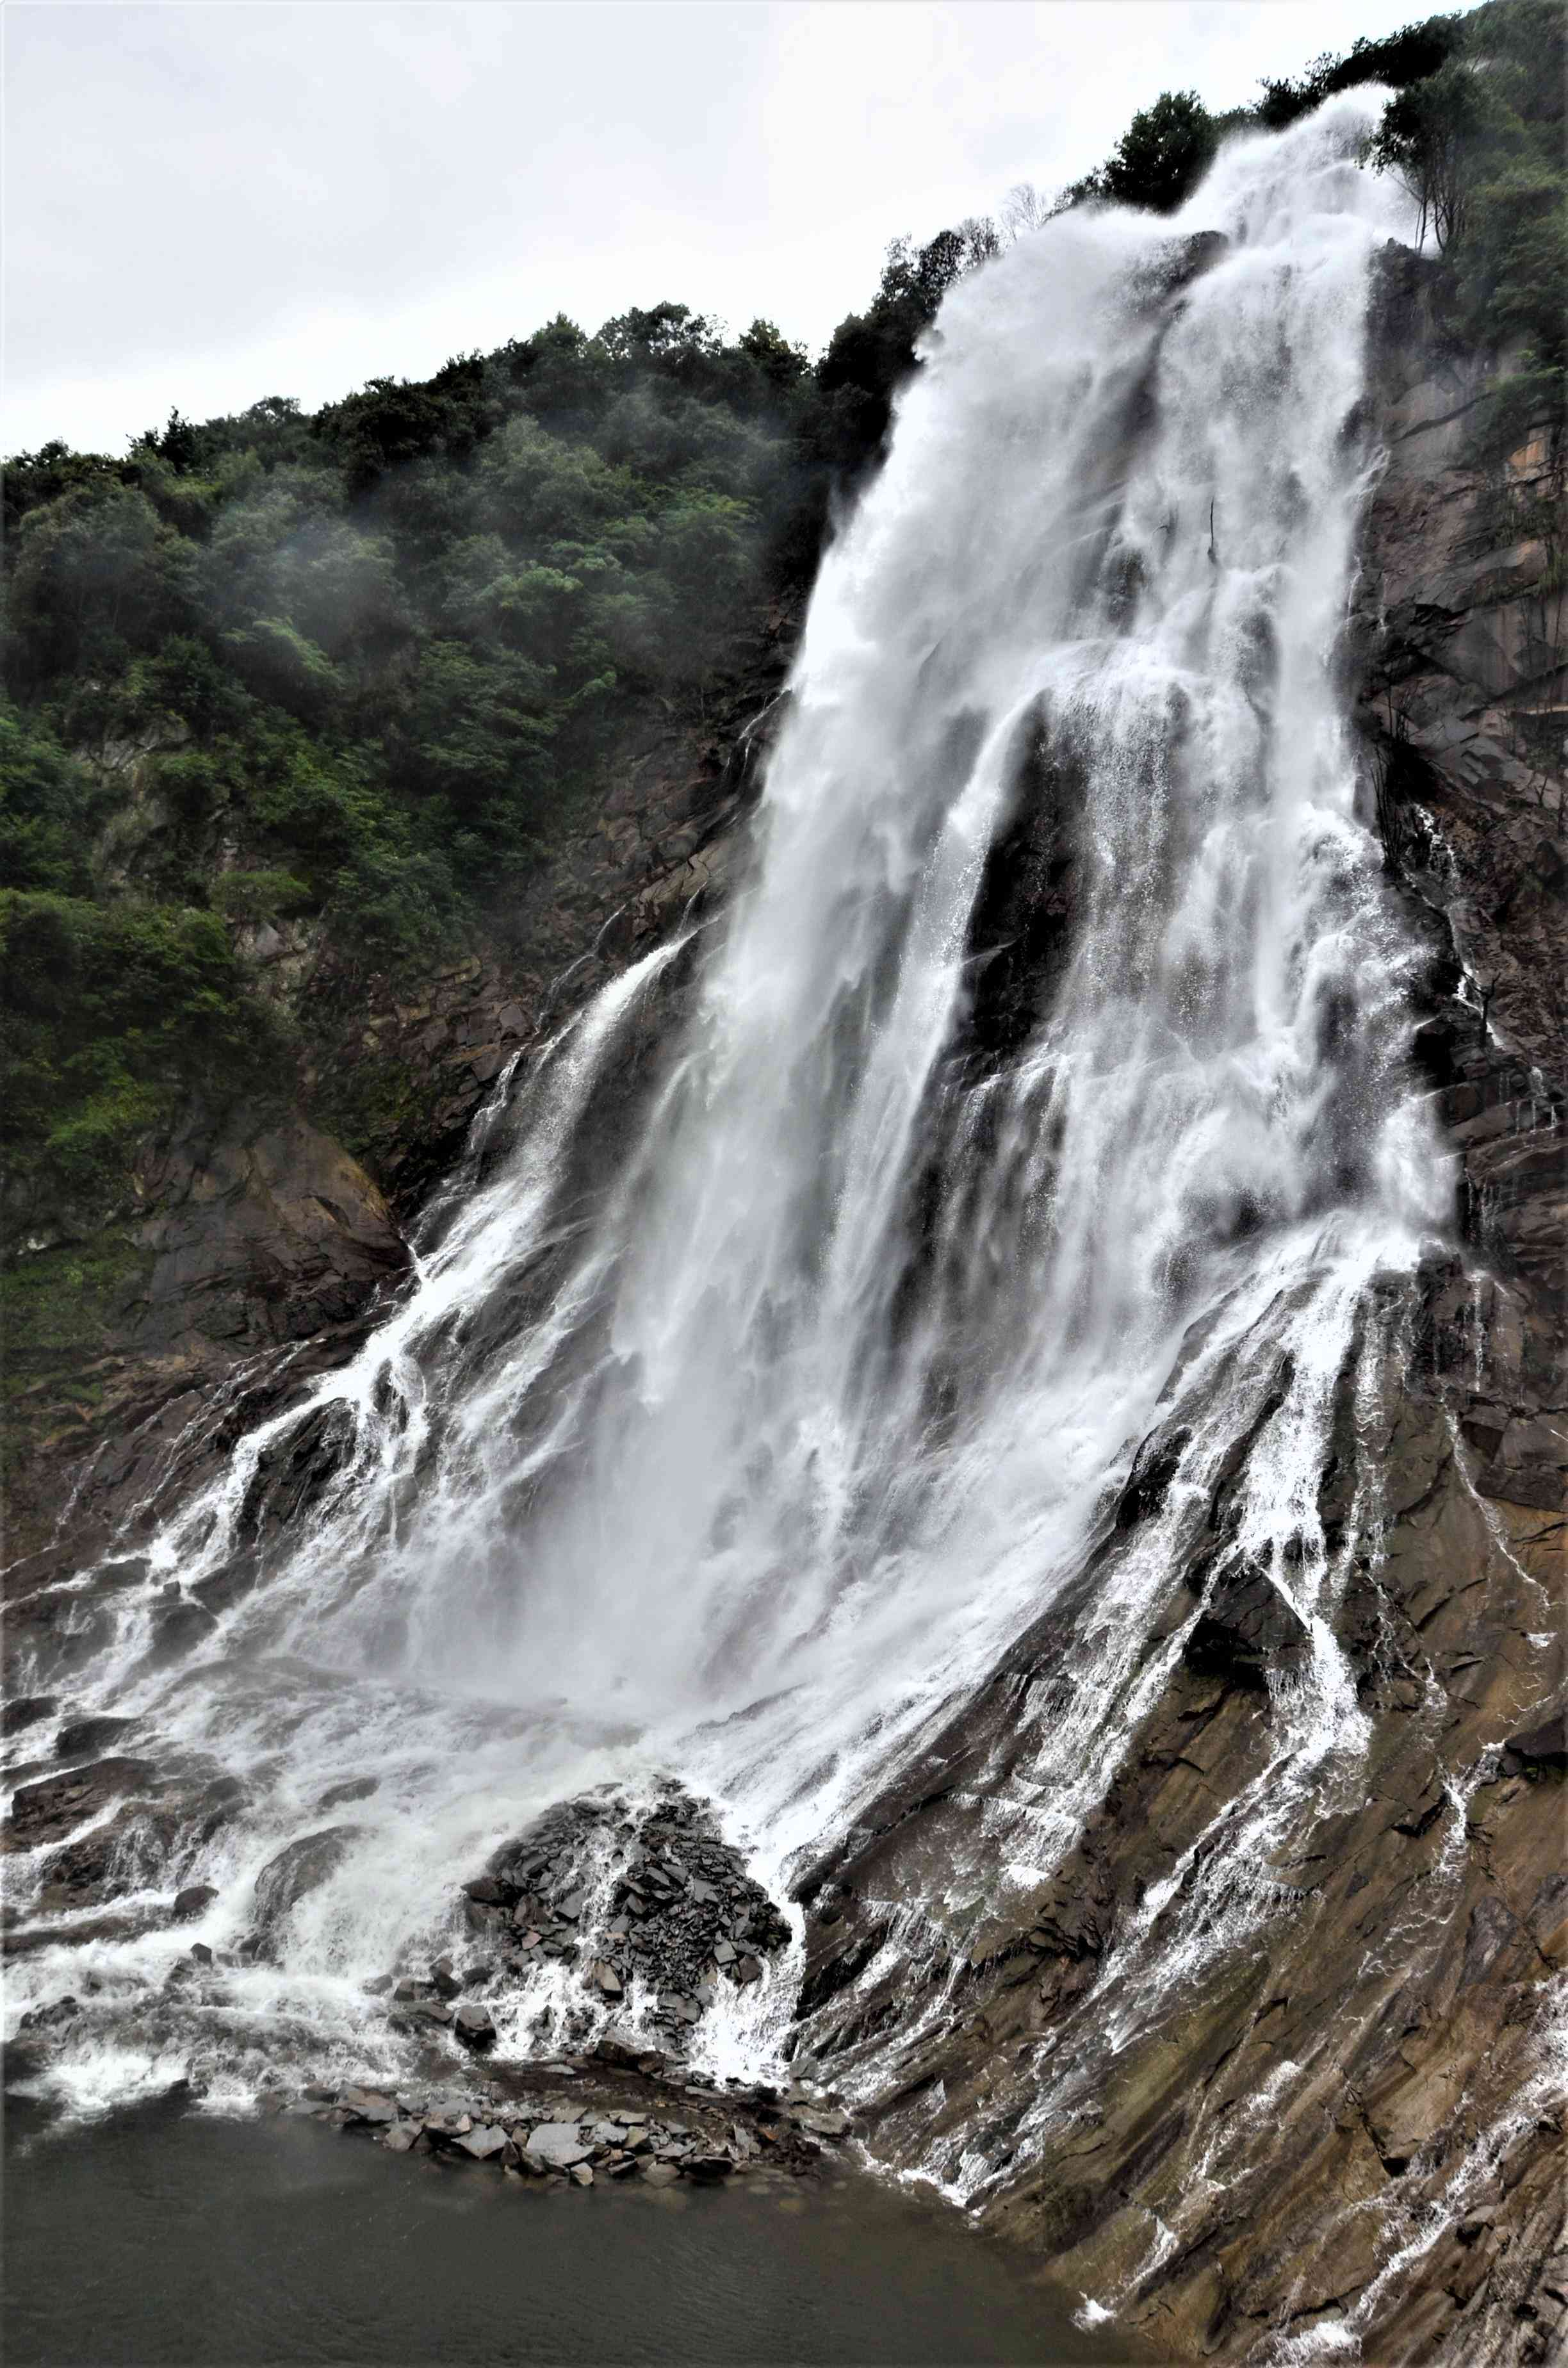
378,659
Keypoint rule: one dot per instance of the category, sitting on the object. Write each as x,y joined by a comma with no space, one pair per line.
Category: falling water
745,1456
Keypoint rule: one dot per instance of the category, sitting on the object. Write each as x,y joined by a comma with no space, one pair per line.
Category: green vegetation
370,666
55,1308
114,1014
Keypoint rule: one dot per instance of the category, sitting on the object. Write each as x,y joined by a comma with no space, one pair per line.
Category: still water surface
161,2239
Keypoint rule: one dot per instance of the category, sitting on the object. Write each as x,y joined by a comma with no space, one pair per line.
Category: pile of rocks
704,2136
623,1892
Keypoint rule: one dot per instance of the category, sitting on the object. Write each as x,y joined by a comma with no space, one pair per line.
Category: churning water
747,1464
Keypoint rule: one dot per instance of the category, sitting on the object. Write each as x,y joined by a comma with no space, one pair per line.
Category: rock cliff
1351,2120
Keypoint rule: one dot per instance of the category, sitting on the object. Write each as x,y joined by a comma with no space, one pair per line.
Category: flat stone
558,2145
660,2174
369,2105
483,2143
826,2123
449,2123
582,2174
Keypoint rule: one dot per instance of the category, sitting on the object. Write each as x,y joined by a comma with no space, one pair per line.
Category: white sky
206,204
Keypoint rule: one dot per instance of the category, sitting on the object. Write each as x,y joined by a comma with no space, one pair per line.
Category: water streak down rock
982,1368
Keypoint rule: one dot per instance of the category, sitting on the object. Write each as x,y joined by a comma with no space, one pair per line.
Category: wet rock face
292,1875
49,1810
1339,2116
650,1898
1458,649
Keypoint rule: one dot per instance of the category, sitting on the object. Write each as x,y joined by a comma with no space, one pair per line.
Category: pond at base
158,2239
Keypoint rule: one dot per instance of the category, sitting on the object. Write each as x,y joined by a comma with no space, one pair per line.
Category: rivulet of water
746,1458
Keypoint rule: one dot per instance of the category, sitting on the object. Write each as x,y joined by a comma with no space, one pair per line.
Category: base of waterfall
277,2240
613,2124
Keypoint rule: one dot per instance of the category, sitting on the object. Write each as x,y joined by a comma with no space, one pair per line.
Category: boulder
473,2025
297,1870
1540,1748
558,2145
84,1737
367,2105
483,2143
823,2122
623,2051
1245,1627
181,1629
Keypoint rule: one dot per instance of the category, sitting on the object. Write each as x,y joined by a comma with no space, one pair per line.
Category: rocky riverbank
622,2117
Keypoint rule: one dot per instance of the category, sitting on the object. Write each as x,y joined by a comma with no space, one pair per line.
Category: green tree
1163,155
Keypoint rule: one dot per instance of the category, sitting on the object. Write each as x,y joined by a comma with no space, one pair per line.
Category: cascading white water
751,1474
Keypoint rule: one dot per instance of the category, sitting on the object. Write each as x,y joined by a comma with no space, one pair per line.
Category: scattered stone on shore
655,2139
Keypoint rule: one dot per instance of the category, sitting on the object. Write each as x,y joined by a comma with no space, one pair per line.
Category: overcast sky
206,204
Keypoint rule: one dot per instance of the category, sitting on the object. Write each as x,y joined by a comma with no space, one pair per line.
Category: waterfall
1044,1087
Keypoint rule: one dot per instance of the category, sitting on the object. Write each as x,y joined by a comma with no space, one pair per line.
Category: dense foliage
370,664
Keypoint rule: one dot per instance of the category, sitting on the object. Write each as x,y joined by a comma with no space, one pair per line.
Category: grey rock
367,2105
26,1710
297,1870
85,1738
483,2143
558,2145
